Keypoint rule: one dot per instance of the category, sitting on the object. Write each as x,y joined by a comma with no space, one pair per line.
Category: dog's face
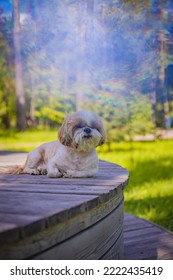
82,131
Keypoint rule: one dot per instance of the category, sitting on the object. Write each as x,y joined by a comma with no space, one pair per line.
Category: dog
74,155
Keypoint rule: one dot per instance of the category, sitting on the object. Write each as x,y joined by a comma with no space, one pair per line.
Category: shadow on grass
159,209
151,171
124,147
7,153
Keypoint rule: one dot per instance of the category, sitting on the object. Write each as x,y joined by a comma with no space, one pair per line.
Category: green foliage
49,111
125,114
51,115
104,52
7,92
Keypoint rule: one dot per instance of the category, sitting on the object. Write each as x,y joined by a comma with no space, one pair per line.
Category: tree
20,96
75,52
7,96
125,114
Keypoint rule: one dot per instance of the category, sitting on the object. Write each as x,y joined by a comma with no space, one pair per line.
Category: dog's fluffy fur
74,155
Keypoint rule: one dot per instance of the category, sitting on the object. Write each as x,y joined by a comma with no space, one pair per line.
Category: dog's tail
13,169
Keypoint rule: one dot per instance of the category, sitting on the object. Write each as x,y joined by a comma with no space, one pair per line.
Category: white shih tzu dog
74,155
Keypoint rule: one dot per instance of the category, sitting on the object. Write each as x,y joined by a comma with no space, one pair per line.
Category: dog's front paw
39,171
68,174
32,171
44,172
54,173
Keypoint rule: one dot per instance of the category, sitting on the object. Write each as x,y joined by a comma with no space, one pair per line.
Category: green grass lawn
25,141
150,190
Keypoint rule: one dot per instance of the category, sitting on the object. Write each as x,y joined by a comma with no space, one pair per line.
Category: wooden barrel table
79,218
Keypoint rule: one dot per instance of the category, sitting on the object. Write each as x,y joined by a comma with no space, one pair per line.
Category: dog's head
82,130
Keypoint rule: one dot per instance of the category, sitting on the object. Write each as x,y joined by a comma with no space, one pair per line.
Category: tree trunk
20,97
65,79
85,24
65,88
32,103
5,117
104,41
34,66
81,36
154,107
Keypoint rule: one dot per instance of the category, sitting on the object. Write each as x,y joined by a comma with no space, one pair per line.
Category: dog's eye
79,125
96,126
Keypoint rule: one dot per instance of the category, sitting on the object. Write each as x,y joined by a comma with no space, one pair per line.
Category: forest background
114,57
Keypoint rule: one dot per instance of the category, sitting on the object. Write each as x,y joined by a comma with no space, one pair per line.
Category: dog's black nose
87,130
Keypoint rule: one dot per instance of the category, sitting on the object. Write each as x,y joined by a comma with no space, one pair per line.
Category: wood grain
146,240
39,214
91,243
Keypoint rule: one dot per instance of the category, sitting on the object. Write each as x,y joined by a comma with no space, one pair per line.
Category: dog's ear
103,138
102,141
64,135
102,131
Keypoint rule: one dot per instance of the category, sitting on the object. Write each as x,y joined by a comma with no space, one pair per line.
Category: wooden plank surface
53,211
37,200
58,189
93,242
48,205
43,197
48,237
146,240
